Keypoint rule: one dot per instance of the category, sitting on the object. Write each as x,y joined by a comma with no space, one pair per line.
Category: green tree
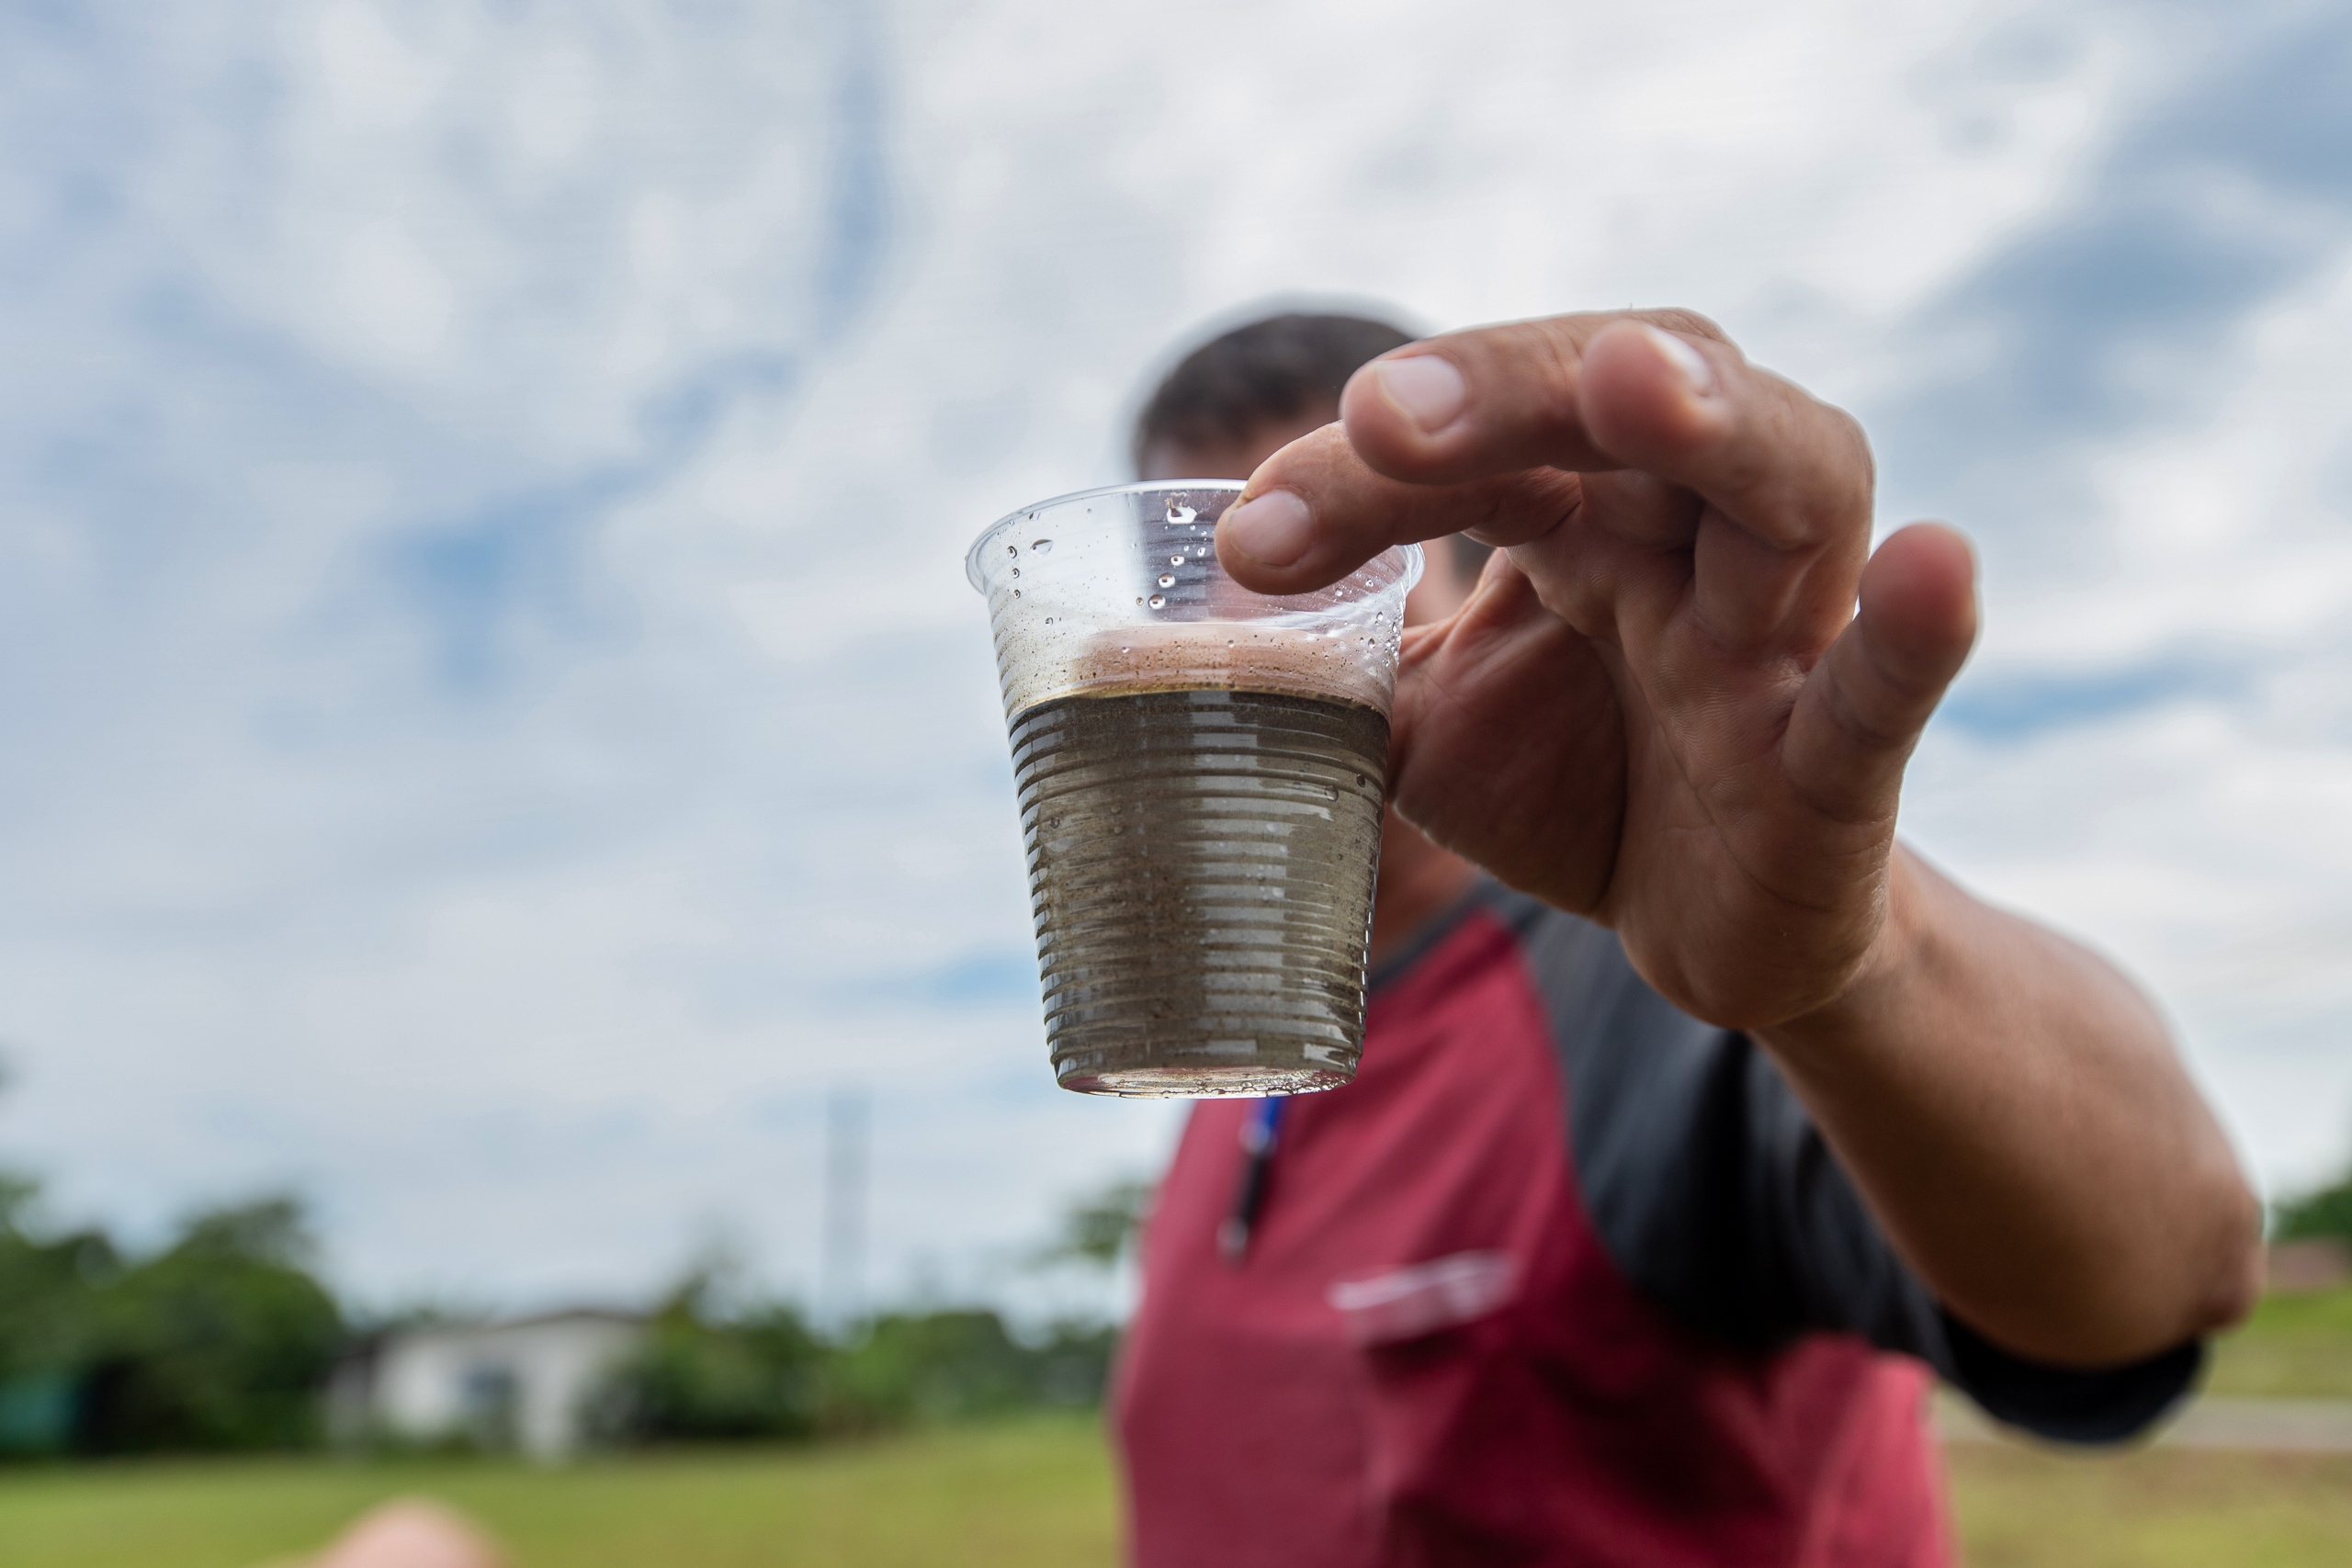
712,1371
45,1285
2326,1212
221,1341
956,1365
706,1373
48,1322
1097,1228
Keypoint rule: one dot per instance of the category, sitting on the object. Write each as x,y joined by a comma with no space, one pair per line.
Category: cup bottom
1196,1081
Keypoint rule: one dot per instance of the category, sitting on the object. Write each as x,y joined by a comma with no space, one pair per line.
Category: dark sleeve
1721,1203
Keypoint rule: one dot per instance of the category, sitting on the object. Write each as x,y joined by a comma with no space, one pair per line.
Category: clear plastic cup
1201,772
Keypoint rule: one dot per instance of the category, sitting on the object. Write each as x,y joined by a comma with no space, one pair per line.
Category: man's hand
1681,705
1662,710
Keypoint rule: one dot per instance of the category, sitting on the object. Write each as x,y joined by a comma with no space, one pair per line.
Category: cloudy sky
496,733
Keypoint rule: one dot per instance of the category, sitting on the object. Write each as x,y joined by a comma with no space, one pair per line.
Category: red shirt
1428,1354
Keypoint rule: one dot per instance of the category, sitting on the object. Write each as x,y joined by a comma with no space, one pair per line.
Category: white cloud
370,76
394,293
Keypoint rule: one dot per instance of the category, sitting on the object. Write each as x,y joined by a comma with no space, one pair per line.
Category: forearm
2013,1110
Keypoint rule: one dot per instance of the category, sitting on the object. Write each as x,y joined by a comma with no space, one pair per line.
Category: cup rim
987,536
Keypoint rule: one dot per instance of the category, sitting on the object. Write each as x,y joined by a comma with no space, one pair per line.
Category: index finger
1661,391
1312,512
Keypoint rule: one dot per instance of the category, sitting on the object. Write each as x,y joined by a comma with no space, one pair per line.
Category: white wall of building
448,1378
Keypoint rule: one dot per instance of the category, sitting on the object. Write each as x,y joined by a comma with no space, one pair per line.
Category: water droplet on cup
1016,594
1013,549
1168,579
1016,571
1160,601
1175,560
1178,513
1043,546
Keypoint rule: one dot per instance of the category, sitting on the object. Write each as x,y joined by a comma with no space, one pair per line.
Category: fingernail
1698,375
1425,388
1274,529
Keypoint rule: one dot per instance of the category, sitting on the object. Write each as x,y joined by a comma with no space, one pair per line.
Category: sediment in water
1202,859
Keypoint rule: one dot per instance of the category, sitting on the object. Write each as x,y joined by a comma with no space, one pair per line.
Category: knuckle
1525,373
1328,447
1314,460
1857,446
1686,323
1864,731
1561,365
1802,462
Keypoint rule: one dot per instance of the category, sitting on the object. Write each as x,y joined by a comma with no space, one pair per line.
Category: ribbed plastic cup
1200,772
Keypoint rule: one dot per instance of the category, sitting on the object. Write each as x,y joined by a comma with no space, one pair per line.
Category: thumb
1863,706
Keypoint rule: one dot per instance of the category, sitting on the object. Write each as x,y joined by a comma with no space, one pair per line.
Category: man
1665,1180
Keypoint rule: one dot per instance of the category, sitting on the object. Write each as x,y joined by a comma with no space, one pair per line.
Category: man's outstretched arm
2013,1110
1680,703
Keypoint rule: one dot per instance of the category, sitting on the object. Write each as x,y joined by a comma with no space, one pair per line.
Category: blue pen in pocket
1257,1154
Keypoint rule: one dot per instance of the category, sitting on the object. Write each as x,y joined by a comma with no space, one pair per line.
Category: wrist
1889,973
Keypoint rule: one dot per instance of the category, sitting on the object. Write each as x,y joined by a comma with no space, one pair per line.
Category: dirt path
2280,1426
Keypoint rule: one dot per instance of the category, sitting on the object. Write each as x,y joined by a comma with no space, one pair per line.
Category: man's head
1246,394
1281,372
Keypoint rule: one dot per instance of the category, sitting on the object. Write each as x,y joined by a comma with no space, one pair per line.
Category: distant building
519,1384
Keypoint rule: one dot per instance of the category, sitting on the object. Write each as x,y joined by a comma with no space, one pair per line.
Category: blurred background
494,741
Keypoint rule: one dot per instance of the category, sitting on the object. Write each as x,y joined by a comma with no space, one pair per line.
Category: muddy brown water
1201,863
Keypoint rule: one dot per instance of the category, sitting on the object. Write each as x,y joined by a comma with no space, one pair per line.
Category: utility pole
845,1139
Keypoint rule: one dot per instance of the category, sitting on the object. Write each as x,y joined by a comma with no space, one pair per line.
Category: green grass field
1025,1495
2022,1507
1039,1494
2158,1508
2293,1348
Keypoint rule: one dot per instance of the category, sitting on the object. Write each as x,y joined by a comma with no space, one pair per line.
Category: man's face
1442,587
1231,459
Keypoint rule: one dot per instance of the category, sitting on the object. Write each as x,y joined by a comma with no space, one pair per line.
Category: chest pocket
1449,1396
1425,1298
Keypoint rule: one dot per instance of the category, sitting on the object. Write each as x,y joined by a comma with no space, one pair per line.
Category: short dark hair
1268,372
1264,373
